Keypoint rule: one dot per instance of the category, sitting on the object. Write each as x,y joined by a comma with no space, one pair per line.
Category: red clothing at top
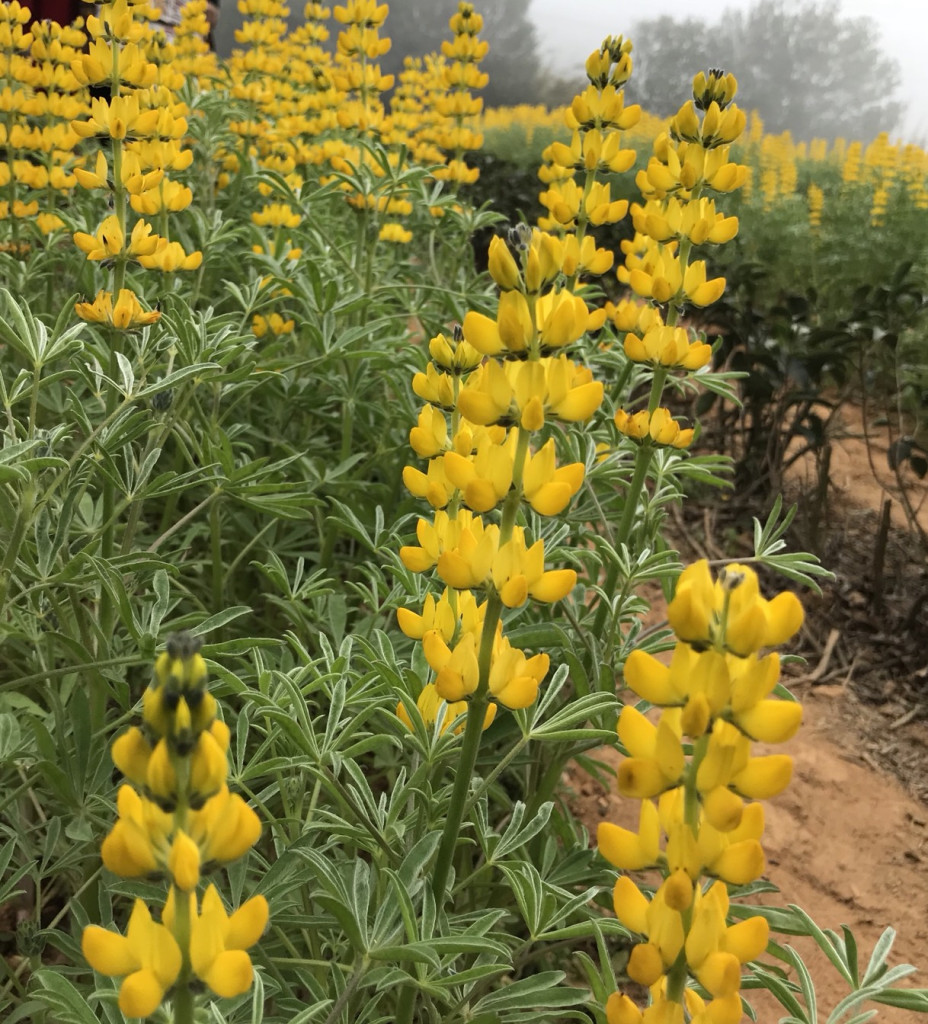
62,11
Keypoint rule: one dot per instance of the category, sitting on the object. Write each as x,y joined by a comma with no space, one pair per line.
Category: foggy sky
569,30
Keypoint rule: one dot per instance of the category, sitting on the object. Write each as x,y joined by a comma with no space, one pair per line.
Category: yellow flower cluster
455,105
816,198
189,53
180,821
141,126
596,117
481,465
693,771
690,158
885,169
39,96
492,390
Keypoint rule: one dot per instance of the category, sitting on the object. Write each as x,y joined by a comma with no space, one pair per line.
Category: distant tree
666,55
803,66
417,27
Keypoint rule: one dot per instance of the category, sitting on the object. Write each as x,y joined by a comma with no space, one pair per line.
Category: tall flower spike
182,824
716,690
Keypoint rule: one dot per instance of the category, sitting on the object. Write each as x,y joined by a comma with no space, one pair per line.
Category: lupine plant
180,822
237,293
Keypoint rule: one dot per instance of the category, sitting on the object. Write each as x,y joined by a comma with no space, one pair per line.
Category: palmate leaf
30,337
57,995
769,542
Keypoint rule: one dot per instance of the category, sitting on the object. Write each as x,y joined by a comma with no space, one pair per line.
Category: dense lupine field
324,553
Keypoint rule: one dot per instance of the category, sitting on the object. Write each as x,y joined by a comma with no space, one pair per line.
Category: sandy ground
859,470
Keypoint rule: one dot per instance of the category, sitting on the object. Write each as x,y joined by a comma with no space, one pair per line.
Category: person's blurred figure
171,12
62,11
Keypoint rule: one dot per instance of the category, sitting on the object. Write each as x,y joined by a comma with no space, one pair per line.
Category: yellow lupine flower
430,436
430,704
655,761
435,387
224,828
138,842
518,573
667,346
148,958
395,233
454,607
169,256
528,392
547,487
184,862
484,478
125,314
168,195
631,851
503,268
119,117
751,622
456,355
513,681
435,486
218,940
659,427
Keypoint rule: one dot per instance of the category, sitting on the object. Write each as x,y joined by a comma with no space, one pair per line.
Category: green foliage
191,475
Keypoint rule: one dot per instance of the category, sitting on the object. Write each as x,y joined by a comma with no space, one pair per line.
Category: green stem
676,980
497,771
514,498
639,476
690,792
405,1005
34,398
642,462
183,994
183,1003
215,540
17,536
473,731
582,221
192,514
347,992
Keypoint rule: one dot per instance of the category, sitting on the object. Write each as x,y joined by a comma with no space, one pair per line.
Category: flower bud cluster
700,787
179,823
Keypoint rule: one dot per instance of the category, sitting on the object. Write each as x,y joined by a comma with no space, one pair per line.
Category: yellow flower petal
230,974
140,994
